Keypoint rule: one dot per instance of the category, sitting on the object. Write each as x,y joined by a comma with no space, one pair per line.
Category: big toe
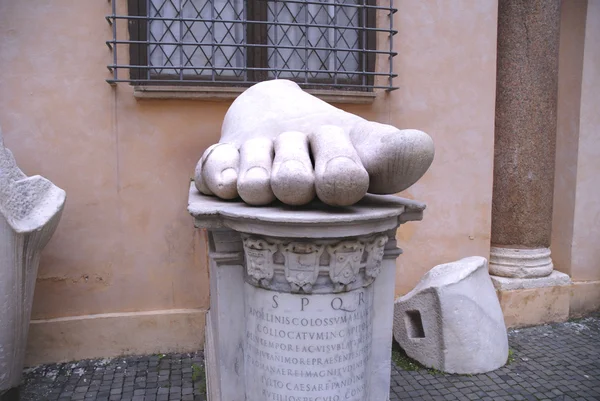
341,179
198,178
395,159
343,182
218,171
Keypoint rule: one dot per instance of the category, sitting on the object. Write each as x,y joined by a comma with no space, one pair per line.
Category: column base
520,262
534,301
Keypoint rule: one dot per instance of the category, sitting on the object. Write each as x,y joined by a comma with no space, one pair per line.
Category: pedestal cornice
373,214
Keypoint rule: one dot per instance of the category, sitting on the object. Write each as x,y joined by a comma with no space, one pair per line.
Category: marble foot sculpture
279,142
452,321
30,208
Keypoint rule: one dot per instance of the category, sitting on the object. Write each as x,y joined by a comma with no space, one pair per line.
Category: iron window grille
320,44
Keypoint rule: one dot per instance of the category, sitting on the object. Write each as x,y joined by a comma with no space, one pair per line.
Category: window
320,44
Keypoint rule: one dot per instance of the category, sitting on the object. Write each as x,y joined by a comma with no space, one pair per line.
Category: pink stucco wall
576,220
126,263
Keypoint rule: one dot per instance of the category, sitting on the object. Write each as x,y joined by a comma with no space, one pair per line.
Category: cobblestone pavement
553,362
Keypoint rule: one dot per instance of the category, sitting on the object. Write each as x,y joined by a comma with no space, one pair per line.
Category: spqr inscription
307,347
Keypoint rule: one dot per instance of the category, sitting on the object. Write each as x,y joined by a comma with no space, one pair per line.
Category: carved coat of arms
259,260
302,264
375,250
345,263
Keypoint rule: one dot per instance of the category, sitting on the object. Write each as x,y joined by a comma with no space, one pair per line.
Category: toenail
256,173
228,176
341,162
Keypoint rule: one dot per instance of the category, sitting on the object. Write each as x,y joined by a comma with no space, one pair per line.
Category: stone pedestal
524,156
301,298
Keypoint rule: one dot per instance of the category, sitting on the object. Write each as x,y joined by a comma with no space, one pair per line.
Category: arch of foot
279,142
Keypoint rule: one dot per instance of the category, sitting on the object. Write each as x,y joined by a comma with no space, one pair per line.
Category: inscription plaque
307,347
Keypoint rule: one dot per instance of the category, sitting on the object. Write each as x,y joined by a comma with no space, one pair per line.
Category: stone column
525,137
301,299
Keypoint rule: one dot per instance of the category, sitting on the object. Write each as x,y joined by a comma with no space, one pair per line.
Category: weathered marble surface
273,128
301,298
452,321
30,208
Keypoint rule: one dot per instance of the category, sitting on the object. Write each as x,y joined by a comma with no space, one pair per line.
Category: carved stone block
452,321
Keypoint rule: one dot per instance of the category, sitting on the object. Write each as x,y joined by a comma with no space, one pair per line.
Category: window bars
320,44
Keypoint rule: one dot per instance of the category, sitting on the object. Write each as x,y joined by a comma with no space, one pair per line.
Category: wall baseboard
115,334
585,298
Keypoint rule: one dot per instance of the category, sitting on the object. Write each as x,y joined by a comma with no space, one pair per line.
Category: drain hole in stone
414,324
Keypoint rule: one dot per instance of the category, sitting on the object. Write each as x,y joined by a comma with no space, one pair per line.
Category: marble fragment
30,208
452,320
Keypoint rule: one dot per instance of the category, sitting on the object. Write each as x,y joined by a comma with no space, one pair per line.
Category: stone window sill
230,93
